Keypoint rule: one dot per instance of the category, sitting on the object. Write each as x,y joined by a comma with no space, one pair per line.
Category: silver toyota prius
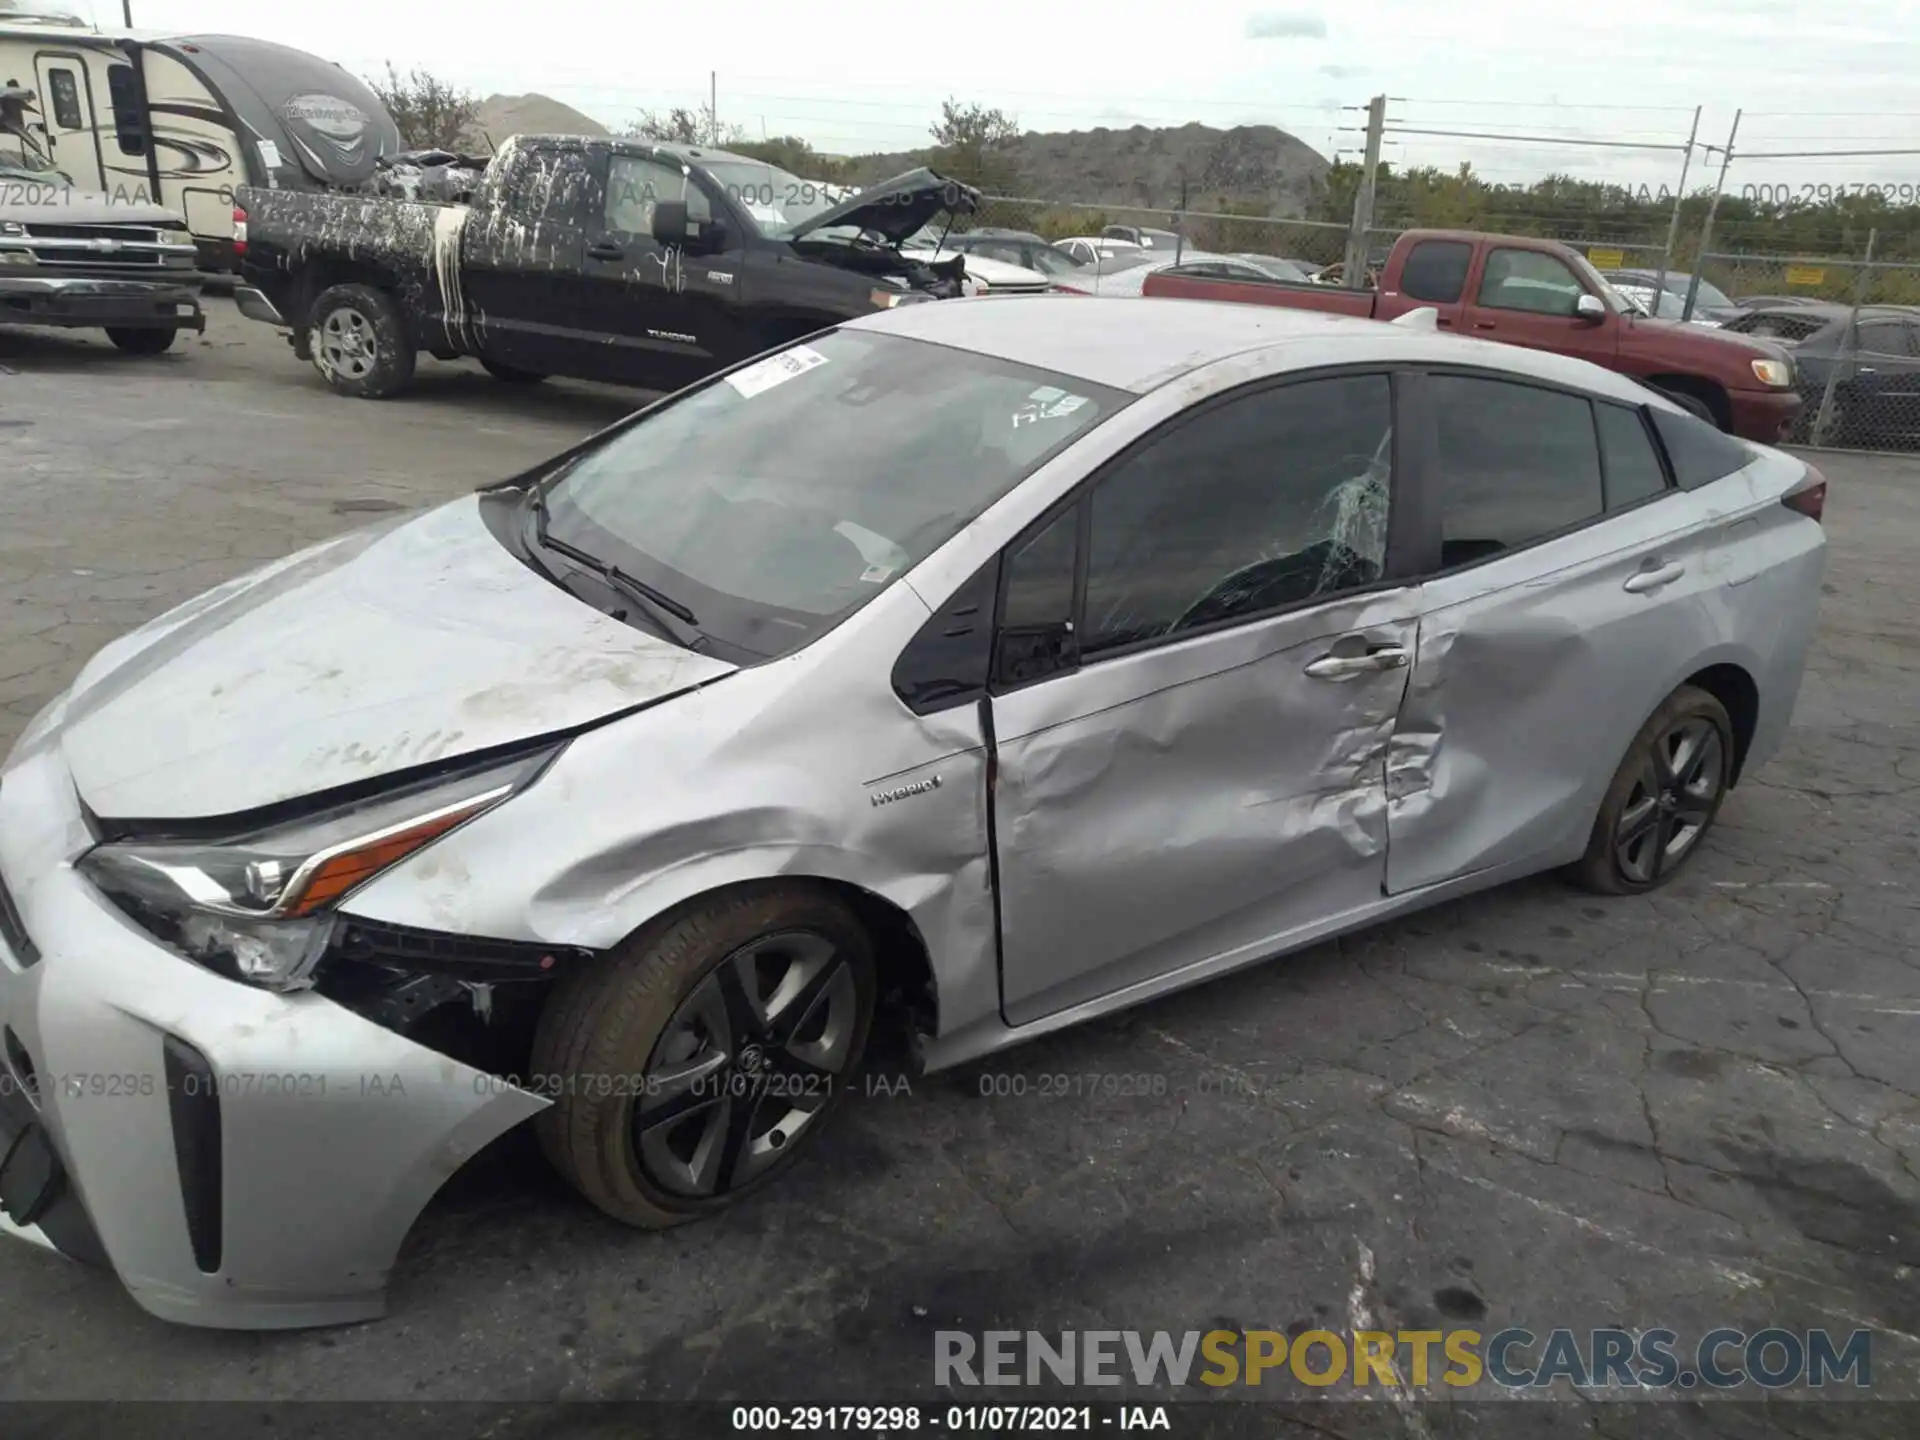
1003,661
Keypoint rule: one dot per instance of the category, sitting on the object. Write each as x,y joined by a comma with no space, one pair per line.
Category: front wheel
359,342
1664,797
696,1063
141,341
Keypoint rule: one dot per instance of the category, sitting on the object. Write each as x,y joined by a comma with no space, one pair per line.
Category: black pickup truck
625,261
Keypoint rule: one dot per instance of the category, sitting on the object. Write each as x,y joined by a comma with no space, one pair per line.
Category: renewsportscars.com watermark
1513,1359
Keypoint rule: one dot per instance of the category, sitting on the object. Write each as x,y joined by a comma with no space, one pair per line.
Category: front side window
1516,463
1883,337
1265,501
779,499
1529,280
635,183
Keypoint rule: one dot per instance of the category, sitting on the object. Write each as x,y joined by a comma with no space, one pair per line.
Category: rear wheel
359,342
141,341
696,1063
1664,797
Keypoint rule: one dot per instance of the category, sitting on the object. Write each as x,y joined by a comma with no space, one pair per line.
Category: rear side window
1517,463
1632,465
129,126
1436,270
1698,453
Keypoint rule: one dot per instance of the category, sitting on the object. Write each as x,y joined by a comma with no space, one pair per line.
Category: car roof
1139,344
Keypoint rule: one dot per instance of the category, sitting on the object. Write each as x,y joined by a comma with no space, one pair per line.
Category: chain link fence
1852,327
1311,244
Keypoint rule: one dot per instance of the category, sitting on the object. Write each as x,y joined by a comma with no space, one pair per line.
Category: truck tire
141,341
1692,404
512,374
360,344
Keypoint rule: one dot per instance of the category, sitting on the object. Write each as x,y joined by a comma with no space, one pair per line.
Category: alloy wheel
1672,801
745,1065
348,346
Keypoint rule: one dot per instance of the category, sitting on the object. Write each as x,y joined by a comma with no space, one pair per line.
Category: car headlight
1778,373
260,906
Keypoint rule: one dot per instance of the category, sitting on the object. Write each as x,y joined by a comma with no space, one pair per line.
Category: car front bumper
1764,415
241,1159
86,302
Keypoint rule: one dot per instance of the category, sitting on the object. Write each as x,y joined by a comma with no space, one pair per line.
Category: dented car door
1570,569
1200,660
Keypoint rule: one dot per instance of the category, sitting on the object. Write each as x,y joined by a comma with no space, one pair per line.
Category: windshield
1049,261
776,200
782,497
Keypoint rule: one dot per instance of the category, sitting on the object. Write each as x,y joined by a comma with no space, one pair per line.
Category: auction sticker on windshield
775,370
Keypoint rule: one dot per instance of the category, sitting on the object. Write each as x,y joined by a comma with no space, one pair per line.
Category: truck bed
1293,294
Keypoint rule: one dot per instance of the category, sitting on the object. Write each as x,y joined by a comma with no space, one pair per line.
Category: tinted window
1516,463
1436,270
1529,280
1883,337
634,184
1626,452
1262,502
65,93
1698,453
128,122
1037,607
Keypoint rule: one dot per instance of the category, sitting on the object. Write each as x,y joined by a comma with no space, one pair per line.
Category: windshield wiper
634,589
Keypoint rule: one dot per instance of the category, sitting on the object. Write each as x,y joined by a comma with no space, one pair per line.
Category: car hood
896,208
382,651
1736,344
84,207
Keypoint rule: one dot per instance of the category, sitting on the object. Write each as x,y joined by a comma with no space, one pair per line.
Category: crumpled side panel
1162,808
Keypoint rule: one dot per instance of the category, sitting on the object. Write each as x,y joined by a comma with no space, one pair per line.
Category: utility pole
1357,244
713,107
126,12
1673,225
1706,226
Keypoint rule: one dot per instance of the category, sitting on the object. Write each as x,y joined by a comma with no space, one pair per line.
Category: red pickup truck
1540,294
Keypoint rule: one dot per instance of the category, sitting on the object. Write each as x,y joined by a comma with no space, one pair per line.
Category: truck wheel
512,374
142,341
359,342
1692,404
696,1062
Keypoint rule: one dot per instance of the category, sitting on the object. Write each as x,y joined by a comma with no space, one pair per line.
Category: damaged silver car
1007,664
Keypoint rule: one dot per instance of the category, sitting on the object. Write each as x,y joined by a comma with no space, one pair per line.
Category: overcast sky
862,75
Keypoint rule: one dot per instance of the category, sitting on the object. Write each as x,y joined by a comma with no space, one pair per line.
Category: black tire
510,373
1692,404
1648,806
360,344
142,341
603,1039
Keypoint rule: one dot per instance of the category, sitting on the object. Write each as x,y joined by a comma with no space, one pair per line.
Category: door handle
1865,370
1485,325
1338,667
605,250
1642,581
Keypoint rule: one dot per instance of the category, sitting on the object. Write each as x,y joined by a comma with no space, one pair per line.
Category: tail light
239,233
1809,497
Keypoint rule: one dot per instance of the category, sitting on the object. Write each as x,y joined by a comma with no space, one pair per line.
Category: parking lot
1531,1107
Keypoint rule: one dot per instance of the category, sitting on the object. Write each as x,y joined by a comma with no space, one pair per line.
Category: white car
1091,249
988,277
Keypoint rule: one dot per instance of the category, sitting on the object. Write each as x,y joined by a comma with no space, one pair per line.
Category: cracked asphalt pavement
1530,1107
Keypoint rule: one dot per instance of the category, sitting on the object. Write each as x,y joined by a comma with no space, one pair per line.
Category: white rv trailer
185,120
